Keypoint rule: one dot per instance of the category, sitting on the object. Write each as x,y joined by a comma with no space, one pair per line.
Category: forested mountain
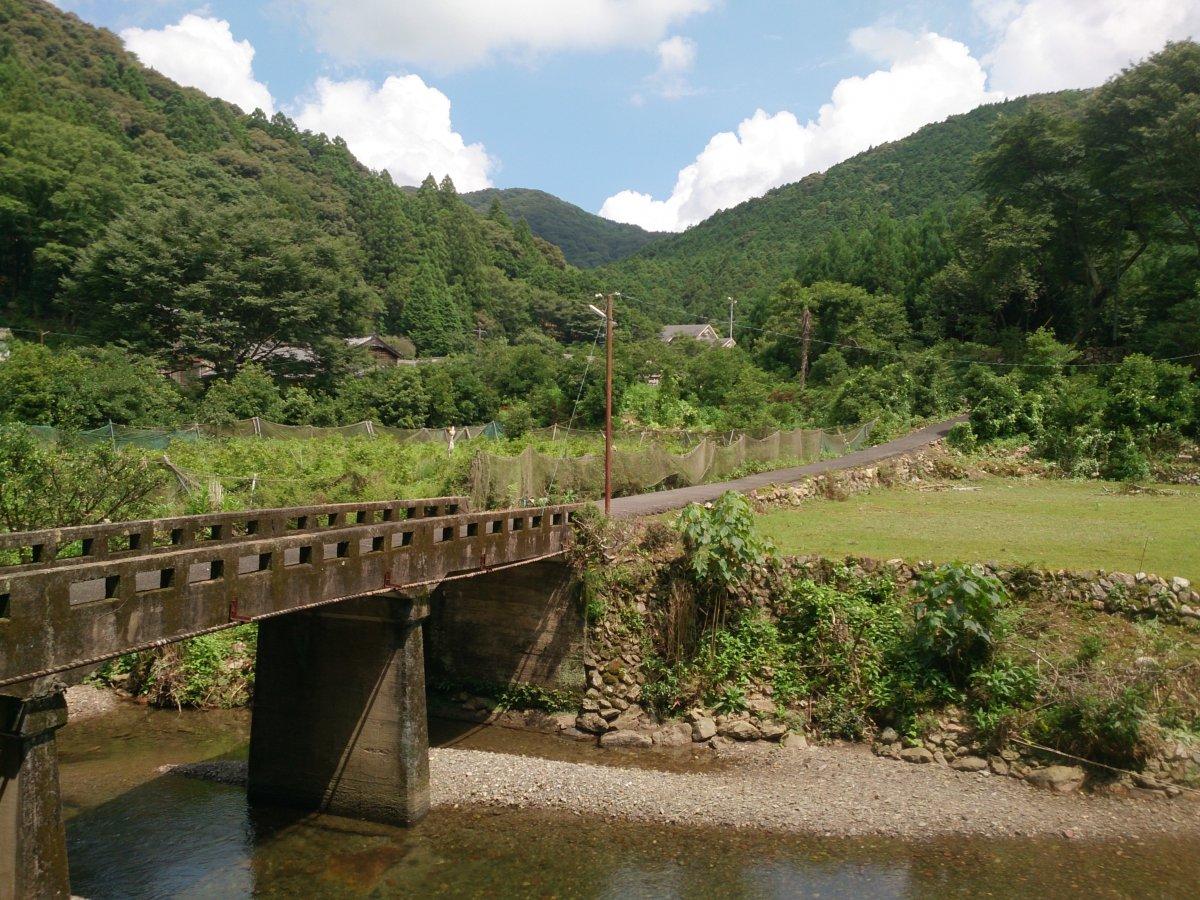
749,249
137,210
150,226
586,239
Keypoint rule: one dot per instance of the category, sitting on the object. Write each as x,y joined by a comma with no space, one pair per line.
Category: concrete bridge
340,593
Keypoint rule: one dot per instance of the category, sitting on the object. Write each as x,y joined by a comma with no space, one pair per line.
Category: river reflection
133,833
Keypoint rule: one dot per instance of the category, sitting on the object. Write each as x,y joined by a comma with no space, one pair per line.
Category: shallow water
135,833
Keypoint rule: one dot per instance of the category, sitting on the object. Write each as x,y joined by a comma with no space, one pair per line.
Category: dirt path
662,501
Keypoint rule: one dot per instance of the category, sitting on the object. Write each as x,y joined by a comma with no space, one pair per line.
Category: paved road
662,501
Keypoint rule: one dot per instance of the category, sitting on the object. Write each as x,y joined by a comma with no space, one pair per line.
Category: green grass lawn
1043,523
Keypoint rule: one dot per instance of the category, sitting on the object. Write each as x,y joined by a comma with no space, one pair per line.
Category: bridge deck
73,597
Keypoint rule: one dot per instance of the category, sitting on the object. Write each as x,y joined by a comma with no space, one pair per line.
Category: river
134,833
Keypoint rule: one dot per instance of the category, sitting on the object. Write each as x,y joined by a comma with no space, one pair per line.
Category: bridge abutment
339,721
33,845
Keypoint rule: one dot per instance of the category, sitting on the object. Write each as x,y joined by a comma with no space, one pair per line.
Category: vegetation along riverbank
700,632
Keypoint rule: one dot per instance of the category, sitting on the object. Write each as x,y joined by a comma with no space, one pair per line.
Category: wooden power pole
608,410
805,339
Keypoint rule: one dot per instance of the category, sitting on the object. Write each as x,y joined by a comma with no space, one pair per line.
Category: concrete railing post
33,844
339,711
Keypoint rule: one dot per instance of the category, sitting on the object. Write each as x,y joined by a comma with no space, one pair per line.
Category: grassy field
1042,523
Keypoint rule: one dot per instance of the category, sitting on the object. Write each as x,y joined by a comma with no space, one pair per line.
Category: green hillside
749,249
134,209
586,239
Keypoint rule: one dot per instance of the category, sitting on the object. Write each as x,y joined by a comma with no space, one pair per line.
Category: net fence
160,438
533,474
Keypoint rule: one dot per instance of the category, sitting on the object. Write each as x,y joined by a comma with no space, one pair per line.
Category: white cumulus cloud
402,126
201,52
1048,45
450,34
928,77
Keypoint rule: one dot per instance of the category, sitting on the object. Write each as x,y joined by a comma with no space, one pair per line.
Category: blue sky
645,109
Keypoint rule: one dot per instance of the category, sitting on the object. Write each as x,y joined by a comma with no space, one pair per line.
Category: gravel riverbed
836,790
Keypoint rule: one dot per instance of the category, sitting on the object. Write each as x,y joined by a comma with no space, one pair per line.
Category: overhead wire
900,354
575,408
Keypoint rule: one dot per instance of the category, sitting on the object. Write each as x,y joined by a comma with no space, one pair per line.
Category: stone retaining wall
1138,596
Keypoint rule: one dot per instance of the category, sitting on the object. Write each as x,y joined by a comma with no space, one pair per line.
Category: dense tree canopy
1037,260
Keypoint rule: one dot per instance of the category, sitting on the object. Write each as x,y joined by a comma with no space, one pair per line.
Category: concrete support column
339,711
33,843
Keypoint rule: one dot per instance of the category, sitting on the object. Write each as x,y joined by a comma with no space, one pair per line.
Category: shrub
962,437
251,392
1111,729
1143,392
1123,460
1000,409
516,419
999,694
393,396
57,485
721,543
211,671
956,617
847,649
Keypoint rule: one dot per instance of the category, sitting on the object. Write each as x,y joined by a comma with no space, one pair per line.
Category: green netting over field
159,438
508,479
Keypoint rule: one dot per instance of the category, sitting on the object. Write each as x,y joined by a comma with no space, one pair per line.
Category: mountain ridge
586,239
751,247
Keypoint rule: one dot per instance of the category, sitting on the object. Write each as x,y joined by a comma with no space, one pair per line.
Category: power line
42,334
900,354
574,409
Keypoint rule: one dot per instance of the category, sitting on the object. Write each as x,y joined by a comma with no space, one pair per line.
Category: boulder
740,731
1060,779
969,764
625,739
772,731
593,722
703,729
763,706
916,755
793,740
631,717
674,735
888,736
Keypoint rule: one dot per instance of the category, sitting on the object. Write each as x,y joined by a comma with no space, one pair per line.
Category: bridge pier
33,844
339,720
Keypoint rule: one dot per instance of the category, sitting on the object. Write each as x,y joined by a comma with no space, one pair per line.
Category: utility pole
805,339
607,314
732,304
608,380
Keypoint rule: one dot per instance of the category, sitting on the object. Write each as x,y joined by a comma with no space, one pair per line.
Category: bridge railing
59,614
56,547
